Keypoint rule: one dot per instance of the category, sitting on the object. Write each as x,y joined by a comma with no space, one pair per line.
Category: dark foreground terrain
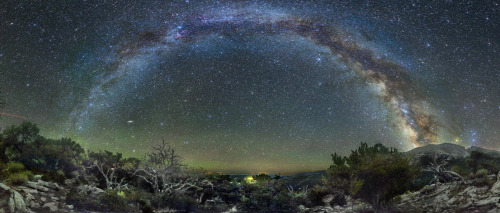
46,175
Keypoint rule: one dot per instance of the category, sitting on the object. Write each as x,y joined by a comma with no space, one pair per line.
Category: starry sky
253,86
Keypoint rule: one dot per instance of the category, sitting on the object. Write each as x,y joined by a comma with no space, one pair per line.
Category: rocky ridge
476,195
34,196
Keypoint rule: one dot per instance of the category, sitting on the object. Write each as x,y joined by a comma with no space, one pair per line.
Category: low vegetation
375,174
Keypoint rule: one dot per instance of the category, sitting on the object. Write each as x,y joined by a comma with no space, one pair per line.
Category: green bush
83,202
461,170
266,196
374,174
54,176
481,173
15,173
19,178
14,167
316,194
114,200
109,201
219,178
182,203
262,177
482,182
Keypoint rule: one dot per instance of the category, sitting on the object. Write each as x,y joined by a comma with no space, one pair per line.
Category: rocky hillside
306,179
476,195
455,151
35,196
492,153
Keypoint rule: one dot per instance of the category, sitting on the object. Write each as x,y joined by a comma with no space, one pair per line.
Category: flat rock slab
35,185
49,185
52,206
30,191
16,202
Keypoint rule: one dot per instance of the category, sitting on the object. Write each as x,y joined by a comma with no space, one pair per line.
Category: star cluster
250,86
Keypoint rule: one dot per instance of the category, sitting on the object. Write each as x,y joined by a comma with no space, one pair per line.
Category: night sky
253,86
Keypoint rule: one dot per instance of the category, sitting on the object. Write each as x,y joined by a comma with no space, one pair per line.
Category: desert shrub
139,197
461,170
478,160
481,173
218,178
182,203
316,194
485,182
15,173
24,144
455,191
421,180
115,201
53,176
265,196
228,191
14,167
262,177
19,178
374,174
83,202
109,201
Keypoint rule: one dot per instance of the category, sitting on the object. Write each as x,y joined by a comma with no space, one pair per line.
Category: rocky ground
351,206
34,196
477,195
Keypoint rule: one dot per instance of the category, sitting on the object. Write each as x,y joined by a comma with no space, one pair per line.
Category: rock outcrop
11,200
351,205
34,196
495,189
477,195
89,190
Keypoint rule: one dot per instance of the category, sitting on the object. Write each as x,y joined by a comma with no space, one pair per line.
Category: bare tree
110,177
162,170
436,164
111,167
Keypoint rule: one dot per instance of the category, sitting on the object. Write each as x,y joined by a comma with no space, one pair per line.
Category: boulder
4,188
16,202
52,206
466,196
231,210
30,191
89,190
29,199
491,201
335,199
35,185
49,185
70,182
495,189
37,177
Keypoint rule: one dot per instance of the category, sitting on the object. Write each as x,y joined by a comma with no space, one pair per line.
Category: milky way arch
389,81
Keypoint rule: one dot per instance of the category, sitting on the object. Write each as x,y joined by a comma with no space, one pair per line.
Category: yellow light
250,179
